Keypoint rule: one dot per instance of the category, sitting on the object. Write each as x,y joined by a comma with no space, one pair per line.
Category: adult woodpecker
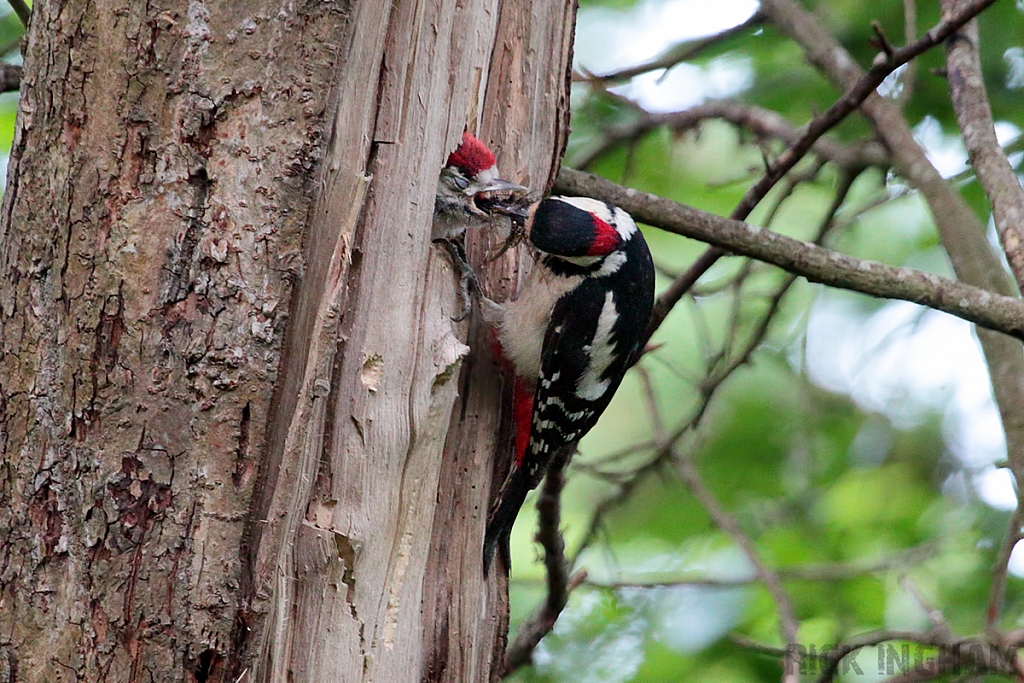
471,173
577,326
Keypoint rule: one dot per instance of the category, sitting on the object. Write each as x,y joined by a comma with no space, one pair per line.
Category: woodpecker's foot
468,284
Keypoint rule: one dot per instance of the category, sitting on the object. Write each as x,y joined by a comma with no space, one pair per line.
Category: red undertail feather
522,416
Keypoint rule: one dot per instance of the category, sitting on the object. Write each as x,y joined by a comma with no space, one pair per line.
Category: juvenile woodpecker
471,173
577,326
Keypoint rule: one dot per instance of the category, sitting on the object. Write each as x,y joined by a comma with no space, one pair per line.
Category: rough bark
190,488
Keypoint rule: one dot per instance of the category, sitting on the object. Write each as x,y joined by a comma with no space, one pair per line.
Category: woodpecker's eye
461,182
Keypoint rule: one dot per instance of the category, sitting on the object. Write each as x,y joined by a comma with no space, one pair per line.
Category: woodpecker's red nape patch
471,156
606,238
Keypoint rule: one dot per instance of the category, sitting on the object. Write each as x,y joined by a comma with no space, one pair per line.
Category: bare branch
855,96
884,65
974,116
960,230
674,56
973,656
955,655
826,572
817,264
707,389
759,121
962,235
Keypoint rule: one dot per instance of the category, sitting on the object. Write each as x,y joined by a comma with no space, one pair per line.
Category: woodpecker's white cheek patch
611,264
581,261
624,224
602,352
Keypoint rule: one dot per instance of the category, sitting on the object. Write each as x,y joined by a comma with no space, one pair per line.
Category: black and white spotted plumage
602,288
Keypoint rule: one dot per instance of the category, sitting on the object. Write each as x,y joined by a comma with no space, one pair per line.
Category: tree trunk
228,368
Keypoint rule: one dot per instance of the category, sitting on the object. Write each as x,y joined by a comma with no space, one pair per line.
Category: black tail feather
503,517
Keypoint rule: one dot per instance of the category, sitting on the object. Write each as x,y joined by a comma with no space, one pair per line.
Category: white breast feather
521,332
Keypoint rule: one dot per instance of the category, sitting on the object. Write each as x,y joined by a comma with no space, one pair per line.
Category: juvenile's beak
513,204
492,194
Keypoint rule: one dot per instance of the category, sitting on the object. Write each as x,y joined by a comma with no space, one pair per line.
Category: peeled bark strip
192,489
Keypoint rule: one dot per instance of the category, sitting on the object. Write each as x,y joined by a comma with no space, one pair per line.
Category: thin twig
935,616
651,401
763,123
1014,146
909,31
788,625
880,41
673,56
872,638
827,572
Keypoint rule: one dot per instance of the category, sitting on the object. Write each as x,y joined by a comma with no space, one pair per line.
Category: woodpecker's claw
468,284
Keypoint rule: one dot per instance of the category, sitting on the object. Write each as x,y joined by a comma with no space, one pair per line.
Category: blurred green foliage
866,507
11,32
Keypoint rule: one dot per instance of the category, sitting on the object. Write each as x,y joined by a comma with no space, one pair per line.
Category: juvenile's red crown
471,156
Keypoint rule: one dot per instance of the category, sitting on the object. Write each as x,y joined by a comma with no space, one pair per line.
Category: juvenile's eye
461,182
